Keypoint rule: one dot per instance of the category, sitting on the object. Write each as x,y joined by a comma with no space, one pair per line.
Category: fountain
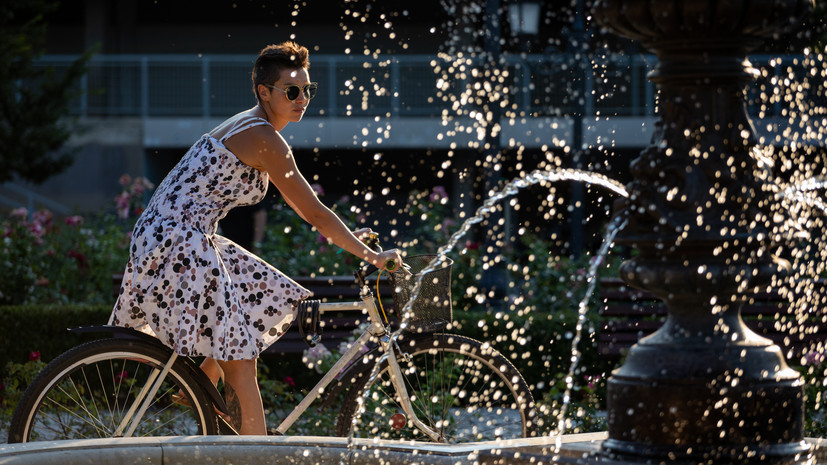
704,388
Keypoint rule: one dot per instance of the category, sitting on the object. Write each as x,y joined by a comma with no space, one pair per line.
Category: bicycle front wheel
459,387
106,388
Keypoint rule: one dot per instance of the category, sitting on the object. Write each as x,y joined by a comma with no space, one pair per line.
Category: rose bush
48,260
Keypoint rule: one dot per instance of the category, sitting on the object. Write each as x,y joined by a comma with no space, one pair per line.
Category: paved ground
308,450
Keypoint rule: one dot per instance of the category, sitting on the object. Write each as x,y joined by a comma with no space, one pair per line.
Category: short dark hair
273,59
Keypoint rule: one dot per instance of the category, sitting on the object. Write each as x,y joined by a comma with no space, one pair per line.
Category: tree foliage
34,99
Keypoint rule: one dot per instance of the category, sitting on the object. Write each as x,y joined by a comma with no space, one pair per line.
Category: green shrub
296,248
814,373
539,345
16,377
42,328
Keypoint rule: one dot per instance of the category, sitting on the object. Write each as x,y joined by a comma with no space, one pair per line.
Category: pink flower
321,239
813,358
36,229
44,217
438,194
122,205
290,381
83,262
593,380
120,377
140,185
19,213
76,220
317,188
125,179
34,356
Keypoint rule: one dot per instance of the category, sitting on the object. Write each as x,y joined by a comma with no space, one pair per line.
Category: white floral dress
199,292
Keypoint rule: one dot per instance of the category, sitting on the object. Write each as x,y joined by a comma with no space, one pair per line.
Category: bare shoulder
257,144
222,129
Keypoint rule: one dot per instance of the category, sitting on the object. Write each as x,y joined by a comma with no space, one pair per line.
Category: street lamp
524,19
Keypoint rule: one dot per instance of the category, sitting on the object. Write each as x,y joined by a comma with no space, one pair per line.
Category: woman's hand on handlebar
363,234
389,259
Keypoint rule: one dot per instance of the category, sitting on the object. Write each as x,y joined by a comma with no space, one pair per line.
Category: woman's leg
243,396
211,368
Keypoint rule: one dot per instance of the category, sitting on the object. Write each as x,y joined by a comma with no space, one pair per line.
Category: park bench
628,314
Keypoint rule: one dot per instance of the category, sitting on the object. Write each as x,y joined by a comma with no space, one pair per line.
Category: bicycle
429,385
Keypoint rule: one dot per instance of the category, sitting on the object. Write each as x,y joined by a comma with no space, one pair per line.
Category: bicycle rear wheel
460,387
96,390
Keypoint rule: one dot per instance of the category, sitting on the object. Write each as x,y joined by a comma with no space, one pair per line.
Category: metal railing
399,86
13,195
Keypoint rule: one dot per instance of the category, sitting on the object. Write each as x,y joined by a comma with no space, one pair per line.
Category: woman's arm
291,204
265,150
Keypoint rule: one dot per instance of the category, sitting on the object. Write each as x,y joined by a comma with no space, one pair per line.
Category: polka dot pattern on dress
198,292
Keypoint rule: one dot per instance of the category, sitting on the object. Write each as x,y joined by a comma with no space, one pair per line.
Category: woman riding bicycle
200,293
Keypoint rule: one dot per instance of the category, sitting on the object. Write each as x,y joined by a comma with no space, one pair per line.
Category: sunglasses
293,91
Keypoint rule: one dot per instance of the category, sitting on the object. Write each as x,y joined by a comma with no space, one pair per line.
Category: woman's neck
262,112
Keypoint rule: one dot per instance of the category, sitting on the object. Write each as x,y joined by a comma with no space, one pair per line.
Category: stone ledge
311,450
237,450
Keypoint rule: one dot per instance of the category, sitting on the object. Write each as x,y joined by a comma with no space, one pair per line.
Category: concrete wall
104,149
110,147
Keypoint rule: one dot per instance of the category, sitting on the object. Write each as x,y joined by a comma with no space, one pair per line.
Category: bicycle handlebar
390,265
373,241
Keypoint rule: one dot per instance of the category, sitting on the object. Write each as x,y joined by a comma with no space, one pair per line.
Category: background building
399,106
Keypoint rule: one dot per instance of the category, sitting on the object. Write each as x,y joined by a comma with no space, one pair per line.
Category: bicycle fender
116,331
129,333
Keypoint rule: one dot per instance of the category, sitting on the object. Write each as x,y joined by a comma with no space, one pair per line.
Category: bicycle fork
398,381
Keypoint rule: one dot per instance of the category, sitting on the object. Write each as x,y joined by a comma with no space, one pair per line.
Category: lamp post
493,280
576,45
524,19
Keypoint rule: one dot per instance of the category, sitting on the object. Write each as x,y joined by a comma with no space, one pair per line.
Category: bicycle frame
376,329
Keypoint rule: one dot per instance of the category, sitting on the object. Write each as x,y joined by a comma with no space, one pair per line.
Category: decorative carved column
704,388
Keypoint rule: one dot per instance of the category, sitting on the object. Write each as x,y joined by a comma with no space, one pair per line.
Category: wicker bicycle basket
431,311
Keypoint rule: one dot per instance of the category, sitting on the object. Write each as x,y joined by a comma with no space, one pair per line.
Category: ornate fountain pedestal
704,388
